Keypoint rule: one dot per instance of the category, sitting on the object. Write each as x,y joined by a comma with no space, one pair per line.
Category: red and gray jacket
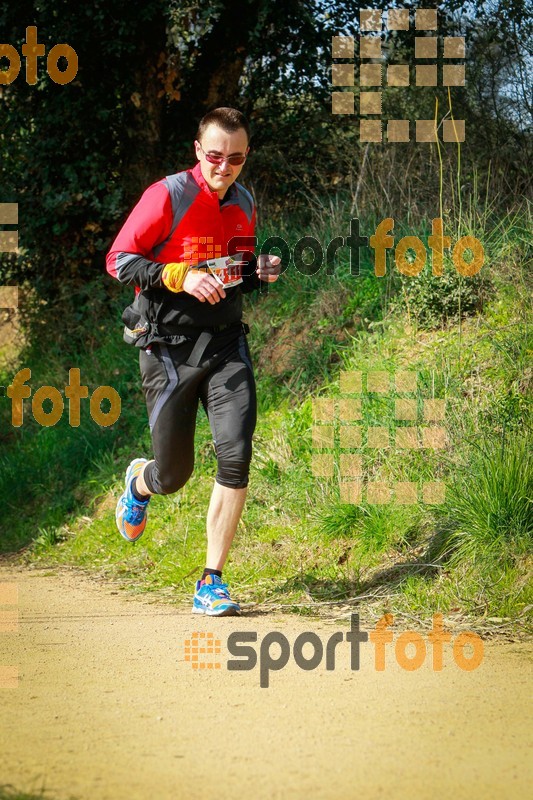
179,218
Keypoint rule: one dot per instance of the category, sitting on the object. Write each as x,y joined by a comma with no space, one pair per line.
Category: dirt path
107,708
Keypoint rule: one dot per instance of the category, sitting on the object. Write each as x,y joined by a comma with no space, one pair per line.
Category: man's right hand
203,286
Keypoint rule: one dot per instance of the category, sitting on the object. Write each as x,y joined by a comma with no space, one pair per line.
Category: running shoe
131,513
212,598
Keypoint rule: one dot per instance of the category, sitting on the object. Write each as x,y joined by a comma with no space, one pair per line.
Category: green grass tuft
488,516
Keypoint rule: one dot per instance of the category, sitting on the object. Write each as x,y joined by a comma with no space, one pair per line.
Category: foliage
76,157
432,301
489,512
70,154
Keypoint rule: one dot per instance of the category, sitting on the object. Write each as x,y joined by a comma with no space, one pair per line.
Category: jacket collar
196,172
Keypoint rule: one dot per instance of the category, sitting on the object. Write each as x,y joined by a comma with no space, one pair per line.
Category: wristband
173,275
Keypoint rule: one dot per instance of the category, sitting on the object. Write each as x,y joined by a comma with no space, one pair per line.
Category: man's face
217,142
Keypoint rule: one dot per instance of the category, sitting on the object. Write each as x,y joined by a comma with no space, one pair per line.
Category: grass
298,546
490,519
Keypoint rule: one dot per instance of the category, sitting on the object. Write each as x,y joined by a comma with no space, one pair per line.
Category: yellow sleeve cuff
174,274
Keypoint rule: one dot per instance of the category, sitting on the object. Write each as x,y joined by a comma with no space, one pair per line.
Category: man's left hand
268,267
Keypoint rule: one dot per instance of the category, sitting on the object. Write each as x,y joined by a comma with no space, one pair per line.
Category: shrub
434,301
488,515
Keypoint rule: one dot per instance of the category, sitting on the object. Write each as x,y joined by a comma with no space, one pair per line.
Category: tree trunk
144,132
215,81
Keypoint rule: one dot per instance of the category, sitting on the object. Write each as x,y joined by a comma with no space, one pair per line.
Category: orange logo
202,650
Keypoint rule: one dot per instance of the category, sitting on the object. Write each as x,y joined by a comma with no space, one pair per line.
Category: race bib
227,270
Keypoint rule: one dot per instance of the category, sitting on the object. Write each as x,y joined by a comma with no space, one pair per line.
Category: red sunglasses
235,161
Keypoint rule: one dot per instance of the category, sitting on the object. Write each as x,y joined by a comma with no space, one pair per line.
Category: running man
191,336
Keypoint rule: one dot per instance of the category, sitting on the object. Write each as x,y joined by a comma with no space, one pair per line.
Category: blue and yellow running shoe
212,598
131,513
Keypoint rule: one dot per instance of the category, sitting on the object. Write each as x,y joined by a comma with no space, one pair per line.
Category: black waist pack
135,325
140,331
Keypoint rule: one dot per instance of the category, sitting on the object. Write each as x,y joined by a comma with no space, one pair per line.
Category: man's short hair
229,119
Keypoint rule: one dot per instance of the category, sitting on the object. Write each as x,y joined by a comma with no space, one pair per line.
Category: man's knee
172,483
233,474
166,482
